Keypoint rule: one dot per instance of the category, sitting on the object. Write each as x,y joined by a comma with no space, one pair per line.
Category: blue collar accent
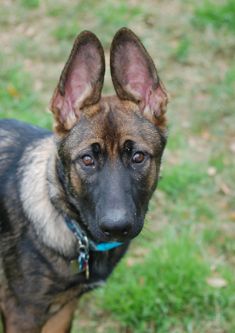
107,246
85,245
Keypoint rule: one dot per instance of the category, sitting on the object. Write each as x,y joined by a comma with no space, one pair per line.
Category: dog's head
110,148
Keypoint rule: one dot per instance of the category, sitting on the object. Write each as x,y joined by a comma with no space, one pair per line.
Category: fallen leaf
12,91
225,189
206,135
132,261
217,282
141,252
211,171
232,216
232,147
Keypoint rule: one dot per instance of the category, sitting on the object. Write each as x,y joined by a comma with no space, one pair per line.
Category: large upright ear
80,82
135,76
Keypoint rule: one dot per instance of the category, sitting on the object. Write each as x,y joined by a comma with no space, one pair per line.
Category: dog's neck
39,185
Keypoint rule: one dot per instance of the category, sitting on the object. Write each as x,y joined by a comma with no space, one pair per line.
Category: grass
182,50
188,176
167,290
218,15
109,14
164,283
30,4
170,282
18,100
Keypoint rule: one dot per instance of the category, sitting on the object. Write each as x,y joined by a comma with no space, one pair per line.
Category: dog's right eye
88,160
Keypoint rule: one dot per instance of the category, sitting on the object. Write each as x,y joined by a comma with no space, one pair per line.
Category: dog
72,201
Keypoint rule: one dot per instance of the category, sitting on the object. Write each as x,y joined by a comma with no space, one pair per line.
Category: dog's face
110,148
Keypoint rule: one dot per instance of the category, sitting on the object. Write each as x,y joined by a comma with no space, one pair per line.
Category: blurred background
179,275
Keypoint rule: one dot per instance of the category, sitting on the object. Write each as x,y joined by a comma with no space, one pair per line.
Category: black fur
25,260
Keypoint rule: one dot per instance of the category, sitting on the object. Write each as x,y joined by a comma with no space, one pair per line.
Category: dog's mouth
91,243
97,231
95,234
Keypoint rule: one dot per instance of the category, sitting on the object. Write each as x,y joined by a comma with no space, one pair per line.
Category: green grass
181,179
186,188
30,4
105,18
217,116
216,14
108,15
182,50
169,283
17,97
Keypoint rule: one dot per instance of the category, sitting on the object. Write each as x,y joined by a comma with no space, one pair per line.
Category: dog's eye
138,157
88,160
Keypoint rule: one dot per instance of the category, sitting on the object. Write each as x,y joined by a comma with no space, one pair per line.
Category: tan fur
48,223
75,180
60,322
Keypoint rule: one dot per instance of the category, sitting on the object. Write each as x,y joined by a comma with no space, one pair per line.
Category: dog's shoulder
18,133
15,136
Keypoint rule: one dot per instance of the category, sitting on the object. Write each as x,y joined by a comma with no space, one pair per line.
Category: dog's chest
76,284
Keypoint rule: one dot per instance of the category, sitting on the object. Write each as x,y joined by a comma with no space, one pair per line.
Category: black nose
116,224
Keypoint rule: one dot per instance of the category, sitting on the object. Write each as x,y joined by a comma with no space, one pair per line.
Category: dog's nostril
116,230
116,225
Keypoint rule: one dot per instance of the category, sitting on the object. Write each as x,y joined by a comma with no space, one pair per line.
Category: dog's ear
135,76
80,82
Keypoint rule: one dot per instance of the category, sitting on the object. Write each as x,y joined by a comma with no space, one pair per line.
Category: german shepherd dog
81,193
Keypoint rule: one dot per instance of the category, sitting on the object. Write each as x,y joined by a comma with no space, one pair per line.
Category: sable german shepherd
81,193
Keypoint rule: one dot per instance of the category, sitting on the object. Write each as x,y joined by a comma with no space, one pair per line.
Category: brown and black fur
100,168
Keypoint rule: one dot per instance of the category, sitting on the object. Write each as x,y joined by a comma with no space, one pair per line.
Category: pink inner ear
79,81
135,75
82,73
76,82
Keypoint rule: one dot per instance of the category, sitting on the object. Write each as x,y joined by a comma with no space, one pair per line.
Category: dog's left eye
88,160
138,157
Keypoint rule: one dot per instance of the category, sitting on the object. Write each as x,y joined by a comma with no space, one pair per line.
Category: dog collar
85,246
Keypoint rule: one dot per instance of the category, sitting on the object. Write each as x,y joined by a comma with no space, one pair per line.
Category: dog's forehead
117,119
113,122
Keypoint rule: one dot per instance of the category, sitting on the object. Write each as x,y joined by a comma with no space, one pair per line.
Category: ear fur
80,83
135,77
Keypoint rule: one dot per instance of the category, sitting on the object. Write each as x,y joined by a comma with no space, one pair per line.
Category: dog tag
74,266
87,272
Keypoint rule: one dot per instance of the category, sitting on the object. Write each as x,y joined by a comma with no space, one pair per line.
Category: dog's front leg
62,320
12,326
